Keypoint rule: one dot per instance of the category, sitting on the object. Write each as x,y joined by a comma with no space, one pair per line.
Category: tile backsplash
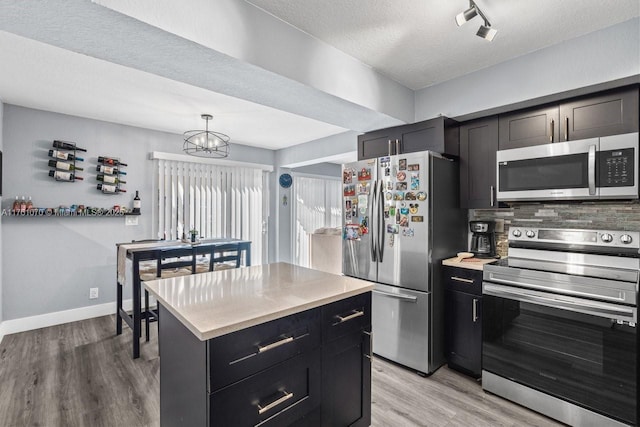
616,215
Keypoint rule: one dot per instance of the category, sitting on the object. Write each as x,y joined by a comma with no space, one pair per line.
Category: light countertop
470,263
217,303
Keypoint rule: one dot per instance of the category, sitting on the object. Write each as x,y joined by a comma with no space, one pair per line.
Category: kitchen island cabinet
271,345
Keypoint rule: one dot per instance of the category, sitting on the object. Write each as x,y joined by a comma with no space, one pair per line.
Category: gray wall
601,56
50,263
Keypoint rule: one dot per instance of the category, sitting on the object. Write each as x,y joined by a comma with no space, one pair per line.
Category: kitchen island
267,345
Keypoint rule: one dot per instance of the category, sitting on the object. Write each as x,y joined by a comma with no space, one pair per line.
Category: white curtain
317,204
218,201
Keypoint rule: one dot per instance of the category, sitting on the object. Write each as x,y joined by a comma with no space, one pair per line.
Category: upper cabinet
530,127
478,146
609,113
439,135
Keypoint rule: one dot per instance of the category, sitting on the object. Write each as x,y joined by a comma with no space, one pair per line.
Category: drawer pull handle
273,345
460,279
353,315
285,396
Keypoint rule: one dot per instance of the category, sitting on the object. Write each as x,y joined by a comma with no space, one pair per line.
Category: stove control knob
626,239
606,237
516,233
531,234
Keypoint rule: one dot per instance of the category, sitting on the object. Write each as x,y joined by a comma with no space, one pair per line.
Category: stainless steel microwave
595,168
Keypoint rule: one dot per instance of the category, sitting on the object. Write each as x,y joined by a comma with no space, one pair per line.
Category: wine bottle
110,161
111,170
136,204
64,156
109,179
67,145
29,204
16,205
63,165
107,188
23,205
64,176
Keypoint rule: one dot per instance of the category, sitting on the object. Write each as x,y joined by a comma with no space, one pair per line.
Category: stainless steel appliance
560,324
596,168
401,219
483,238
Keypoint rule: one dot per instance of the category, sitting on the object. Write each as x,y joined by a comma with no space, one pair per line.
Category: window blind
218,201
317,204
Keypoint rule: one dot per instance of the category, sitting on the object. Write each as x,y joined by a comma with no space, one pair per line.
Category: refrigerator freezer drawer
401,324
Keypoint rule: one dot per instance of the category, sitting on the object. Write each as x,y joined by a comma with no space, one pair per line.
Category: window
218,201
317,204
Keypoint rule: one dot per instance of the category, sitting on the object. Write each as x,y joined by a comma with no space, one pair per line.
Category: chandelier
206,143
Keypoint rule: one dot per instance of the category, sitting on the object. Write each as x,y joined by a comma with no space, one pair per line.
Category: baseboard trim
23,324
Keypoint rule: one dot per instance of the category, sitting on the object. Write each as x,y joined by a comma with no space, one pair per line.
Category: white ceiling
417,42
414,42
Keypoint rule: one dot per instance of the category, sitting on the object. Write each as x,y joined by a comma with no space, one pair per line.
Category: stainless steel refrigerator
401,218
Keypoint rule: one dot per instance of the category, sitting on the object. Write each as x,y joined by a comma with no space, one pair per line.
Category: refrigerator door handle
381,230
372,206
403,297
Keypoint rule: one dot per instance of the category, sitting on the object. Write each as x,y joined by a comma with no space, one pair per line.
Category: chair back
228,254
171,259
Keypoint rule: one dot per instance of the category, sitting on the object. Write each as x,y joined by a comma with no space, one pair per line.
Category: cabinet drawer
277,396
346,316
244,353
463,280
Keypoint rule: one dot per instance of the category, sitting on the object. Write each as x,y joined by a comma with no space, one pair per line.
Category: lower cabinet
308,369
346,381
463,319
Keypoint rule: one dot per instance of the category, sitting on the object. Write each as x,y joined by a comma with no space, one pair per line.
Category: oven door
558,171
580,351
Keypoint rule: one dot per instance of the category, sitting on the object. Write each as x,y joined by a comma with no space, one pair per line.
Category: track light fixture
485,31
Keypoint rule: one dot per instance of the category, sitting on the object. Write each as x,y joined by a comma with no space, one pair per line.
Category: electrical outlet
93,293
130,220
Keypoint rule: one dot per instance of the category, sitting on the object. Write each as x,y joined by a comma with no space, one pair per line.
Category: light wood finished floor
81,374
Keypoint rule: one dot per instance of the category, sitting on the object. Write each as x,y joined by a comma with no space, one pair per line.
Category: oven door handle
595,308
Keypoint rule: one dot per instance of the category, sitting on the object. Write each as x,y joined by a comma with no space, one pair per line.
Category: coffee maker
483,239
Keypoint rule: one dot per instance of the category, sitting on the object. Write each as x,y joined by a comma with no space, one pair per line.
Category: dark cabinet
608,113
346,381
463,319
478,147
346,362
439,135
378,143
308,369
531,127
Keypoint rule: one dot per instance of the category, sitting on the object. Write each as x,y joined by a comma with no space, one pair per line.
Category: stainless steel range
559,325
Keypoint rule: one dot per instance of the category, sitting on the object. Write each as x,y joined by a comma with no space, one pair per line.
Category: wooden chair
170,263
220,257
225,257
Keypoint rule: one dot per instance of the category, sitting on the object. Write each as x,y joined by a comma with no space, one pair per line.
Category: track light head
486,32
467,15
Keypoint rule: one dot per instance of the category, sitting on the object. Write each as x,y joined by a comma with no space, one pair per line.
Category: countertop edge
256,320
478,266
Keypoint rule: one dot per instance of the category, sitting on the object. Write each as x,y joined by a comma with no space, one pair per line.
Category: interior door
404,239
358,251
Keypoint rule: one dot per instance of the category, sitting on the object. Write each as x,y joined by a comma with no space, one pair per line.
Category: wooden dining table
139,252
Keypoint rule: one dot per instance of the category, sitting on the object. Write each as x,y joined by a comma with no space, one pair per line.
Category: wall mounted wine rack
64,161
110,175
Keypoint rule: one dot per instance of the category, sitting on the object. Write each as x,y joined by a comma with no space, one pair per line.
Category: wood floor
81,374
